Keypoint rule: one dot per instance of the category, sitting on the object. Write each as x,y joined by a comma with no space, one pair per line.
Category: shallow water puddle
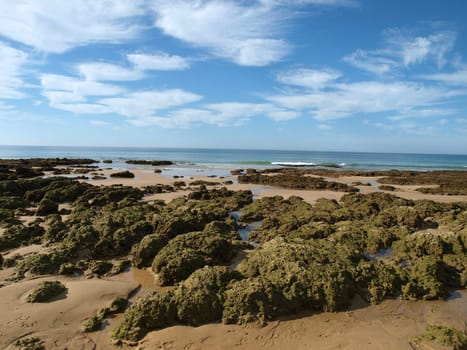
380,254
245,231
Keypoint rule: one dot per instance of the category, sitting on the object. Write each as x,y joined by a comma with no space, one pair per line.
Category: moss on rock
444,335
46,291
200,298
150,312
143,253
186,253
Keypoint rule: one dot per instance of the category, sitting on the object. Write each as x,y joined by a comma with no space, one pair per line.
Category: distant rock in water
107,161
150,162
45,162
123,174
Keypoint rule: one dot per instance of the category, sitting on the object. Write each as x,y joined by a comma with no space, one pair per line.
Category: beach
391,323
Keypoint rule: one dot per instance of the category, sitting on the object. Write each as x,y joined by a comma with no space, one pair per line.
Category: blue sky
356,75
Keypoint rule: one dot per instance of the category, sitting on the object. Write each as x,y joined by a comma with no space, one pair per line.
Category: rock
150,312
144,252
427,280
251,300
236,171
91,324
118,305
186,253
123,174
46,207
150,162
200,298
46,291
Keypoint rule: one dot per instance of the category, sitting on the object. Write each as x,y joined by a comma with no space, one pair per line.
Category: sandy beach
389,325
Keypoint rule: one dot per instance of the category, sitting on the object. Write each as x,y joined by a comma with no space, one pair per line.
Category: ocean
194,158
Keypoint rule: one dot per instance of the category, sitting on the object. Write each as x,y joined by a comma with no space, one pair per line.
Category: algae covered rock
200,298
145,251
308,274
32,343
428,280
18,234
251,300
380,280
123,174
46,291
186,253
118,305
41,263
46,207
91,324
447,336
150,312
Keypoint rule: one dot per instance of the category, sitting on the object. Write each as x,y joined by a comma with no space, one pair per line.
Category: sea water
190,158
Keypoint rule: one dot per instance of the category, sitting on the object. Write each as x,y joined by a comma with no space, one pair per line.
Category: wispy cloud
247,33
159,61
423,113
350,99
85,96
147,103
12,62
309,78
57,26
220,114
99,122
108,72
371,61
228,29
63,90
402,49
454,78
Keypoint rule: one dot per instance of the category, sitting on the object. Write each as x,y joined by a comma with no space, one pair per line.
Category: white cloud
99,122
238,110
423,113
416,49
108,72
308,78
455,78
6,107
82,108
220,114
146,103
402,50
228,29
57,26
350,3
159,61
71,94
56,82
12,63
345,100
324,127
371,62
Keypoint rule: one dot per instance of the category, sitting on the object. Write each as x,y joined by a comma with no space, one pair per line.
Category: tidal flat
335,258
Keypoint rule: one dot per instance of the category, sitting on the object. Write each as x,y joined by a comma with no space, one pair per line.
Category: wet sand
389,325
145,178
57,322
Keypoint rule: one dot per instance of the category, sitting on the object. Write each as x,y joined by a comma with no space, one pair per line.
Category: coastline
389,325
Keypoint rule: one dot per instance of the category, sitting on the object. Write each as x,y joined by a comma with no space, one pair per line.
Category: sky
332,75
